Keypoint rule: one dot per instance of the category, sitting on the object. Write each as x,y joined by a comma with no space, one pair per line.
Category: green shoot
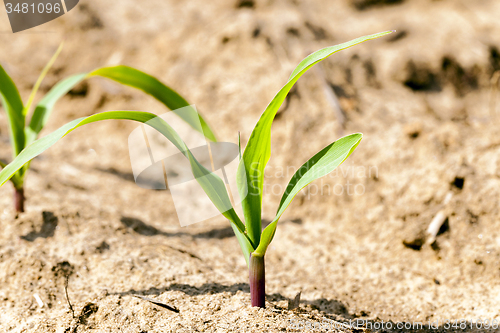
38,82
24,132
253,241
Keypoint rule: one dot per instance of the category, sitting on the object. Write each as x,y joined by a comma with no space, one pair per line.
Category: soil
353,243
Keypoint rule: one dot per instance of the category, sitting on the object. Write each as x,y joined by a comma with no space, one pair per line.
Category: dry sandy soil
423,97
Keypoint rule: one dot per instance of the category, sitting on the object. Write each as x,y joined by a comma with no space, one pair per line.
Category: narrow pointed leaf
244,242
258,150
44,108
124,75
213,186
38,82
152,86
13,105
321,164
16,179
239,145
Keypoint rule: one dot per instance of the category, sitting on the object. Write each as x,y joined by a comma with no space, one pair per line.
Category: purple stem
19,199
257,281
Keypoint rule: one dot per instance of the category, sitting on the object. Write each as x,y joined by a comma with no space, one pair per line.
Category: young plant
24,132
252,239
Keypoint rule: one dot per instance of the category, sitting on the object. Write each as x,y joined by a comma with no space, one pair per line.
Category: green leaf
321,164
16,178
239,146
46,105
244,242
13,105
40,79
258,150
152,86
124,75
213,186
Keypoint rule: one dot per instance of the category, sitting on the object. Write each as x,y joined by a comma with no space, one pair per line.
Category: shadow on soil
47,230
205,289
332,307
335,312
144,229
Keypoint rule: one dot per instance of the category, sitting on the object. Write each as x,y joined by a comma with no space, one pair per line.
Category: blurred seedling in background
253,240
25,126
